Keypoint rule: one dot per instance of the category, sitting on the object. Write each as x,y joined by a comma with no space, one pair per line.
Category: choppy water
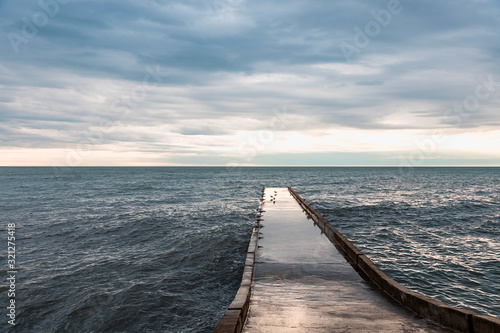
162,249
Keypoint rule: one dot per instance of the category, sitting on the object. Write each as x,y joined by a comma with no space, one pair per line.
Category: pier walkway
302,283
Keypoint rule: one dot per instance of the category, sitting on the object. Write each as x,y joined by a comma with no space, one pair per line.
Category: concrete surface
301,283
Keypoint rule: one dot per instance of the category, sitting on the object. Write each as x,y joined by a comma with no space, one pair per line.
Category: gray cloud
240,60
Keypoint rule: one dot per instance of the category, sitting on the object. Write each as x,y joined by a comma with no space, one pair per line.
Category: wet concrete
301,282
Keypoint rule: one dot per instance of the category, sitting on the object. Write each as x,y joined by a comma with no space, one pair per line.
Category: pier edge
460,319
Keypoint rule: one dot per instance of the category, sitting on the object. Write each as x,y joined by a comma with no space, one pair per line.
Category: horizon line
252,166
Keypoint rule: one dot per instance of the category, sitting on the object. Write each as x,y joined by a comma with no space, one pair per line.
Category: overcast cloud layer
250,82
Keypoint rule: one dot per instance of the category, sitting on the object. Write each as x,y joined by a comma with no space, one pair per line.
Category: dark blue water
162,249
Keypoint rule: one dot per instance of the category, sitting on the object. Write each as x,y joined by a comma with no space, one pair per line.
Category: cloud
188,80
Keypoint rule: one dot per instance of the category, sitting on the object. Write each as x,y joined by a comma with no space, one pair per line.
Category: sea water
162,249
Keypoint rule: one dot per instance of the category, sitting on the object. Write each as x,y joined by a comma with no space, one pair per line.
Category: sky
249,82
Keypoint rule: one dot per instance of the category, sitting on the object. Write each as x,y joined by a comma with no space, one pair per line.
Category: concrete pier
302,283
303,275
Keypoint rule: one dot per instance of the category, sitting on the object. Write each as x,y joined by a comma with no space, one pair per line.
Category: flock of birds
259,219
273,197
